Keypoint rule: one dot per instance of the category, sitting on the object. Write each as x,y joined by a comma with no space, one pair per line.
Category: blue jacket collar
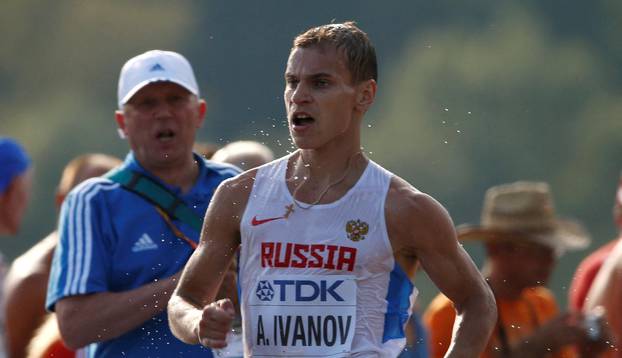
133,164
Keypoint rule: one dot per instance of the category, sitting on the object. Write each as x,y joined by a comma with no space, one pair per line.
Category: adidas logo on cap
156,67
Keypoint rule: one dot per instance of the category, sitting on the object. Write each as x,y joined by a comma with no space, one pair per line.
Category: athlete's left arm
193,314
421,230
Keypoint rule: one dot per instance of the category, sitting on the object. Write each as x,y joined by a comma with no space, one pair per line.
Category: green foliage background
471,94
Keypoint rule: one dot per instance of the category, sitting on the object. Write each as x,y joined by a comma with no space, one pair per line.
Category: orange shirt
519,318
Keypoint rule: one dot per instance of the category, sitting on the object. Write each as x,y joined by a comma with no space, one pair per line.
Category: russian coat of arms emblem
357,230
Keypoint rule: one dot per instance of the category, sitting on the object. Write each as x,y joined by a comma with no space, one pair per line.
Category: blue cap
13,161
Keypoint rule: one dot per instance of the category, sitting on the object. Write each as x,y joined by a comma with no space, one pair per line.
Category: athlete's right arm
421,230
193,314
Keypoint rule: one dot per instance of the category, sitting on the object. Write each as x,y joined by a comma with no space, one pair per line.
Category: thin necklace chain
328,187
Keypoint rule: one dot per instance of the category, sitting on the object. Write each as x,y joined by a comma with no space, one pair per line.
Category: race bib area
302,316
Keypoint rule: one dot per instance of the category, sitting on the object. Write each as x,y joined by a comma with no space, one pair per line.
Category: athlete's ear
366,94
119,117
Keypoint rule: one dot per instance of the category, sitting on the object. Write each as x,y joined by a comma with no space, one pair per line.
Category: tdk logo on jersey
299,290
264,292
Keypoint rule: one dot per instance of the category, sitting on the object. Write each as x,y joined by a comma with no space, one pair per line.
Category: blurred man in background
523,239
124,238
27,280
244,154
15,186
605,299
597,284
589,267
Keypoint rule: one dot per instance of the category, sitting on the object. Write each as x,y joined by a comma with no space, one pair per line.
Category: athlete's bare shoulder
233,193
415,220
242,182
404,200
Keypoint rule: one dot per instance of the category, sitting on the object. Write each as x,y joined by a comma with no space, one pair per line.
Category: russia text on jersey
331,257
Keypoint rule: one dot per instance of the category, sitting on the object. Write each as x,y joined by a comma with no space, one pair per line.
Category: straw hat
525,211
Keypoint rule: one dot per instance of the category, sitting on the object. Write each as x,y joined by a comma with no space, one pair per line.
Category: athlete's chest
328,240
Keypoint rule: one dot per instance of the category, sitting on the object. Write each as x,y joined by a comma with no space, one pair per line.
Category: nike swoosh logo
256,222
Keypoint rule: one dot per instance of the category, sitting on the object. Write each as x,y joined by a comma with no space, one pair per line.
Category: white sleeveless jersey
321,282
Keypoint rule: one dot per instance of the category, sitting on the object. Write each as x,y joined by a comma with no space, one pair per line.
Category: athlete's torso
321,281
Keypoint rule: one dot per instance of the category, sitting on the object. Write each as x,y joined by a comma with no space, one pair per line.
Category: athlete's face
160,122
322,103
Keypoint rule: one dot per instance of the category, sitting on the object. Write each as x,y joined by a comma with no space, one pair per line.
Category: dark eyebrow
312,76
320,75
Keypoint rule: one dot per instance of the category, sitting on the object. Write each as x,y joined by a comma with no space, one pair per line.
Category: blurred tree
59,63
471,93
466,110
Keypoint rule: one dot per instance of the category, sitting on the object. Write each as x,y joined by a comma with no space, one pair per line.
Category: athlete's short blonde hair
351,40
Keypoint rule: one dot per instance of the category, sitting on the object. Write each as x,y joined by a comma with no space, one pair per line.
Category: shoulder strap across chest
156,194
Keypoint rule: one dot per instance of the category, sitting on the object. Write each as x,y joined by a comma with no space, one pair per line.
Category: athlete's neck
326,167
331,178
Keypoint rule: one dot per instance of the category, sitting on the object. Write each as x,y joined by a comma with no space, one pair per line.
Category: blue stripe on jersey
55,270
70,243
398,304
79,223
75,261
79,255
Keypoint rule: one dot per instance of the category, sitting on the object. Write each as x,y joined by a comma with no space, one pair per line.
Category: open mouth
165,135
302,119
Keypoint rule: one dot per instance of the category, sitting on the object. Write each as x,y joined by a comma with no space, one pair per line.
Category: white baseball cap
154,66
